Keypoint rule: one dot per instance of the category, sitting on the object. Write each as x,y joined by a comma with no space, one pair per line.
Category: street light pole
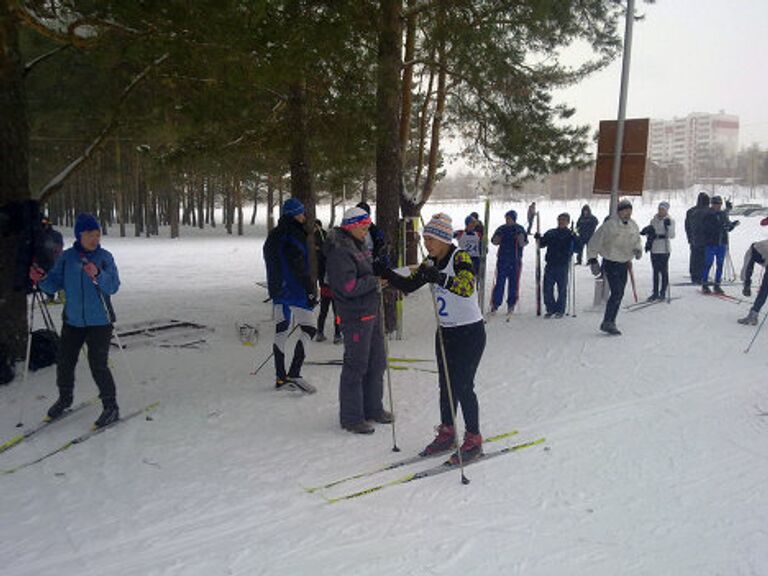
630,17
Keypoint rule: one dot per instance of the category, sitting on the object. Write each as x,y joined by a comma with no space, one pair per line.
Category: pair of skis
648,303
441,468
77,440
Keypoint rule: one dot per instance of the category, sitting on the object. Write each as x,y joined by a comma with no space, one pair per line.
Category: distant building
699,145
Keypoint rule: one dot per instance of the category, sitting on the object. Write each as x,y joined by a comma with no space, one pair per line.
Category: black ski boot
361,427
718,290
610,328
705,289
58,408
109,415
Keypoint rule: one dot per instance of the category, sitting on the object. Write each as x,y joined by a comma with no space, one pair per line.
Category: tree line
154,112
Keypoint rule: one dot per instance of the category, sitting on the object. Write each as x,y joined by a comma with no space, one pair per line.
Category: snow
655,460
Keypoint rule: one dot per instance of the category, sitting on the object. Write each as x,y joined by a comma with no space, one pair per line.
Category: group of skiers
354,274
353,270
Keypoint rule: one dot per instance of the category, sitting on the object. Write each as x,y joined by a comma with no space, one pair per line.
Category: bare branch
43,57
58,181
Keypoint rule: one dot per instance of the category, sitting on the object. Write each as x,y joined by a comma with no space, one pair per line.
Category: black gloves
379,269
734,224
433,275
594,267
667,222
312,300
537,236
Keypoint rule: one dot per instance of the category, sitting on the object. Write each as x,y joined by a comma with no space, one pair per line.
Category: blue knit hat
84,223
292,207
511,214
440,227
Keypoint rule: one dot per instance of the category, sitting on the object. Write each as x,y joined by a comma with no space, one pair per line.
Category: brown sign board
634,154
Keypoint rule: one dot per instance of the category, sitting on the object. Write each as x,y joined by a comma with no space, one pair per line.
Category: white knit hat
440,227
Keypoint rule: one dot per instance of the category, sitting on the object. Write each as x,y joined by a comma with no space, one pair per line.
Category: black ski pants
660,265
464,346
616,274
97,338
696,262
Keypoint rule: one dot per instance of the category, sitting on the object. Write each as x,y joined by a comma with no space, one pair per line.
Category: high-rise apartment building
700,145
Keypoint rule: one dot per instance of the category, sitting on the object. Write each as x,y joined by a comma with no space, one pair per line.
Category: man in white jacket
617,241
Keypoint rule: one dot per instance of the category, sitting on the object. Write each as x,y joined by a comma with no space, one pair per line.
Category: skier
87,274
463,334
531,216
756,253
510,238
326,294
585,227
479,228
469,241
356,291
560,243
661,231
715,228
694,219
291,290
617,240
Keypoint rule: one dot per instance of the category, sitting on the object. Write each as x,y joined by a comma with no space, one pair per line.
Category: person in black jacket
326,294
715,228
291,289
585,227
560,243
694,218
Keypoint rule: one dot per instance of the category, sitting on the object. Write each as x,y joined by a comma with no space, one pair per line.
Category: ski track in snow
655,460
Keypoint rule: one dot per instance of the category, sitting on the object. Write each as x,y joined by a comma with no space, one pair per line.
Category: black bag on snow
7,368
44,348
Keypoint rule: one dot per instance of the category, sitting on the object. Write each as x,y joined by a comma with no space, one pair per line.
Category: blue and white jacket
84,306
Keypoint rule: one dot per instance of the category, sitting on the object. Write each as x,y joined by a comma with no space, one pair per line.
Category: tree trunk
121,210
239,205
437,120
270,204
407,88
301,178
389,166
14,182
389,160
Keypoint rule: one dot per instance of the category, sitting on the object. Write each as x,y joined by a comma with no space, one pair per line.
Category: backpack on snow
44,348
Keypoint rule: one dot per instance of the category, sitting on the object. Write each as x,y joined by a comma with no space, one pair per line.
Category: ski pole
268,358
632,279
389,377
30,327
128,369
444,358
746,351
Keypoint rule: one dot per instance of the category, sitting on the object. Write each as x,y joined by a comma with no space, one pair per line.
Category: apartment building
699,145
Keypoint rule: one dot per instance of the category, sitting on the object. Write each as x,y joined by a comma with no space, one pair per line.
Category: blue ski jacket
84,306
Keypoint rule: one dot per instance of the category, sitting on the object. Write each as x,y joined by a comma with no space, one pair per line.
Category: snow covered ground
655,461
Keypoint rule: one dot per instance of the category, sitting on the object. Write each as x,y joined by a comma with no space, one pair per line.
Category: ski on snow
729,298
399,464
80,439
16,440
434,471
646,304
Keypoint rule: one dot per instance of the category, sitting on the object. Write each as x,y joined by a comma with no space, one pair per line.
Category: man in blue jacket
561,243
88,276
510,238
292,291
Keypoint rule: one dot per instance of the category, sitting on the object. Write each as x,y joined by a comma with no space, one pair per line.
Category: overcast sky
689,56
